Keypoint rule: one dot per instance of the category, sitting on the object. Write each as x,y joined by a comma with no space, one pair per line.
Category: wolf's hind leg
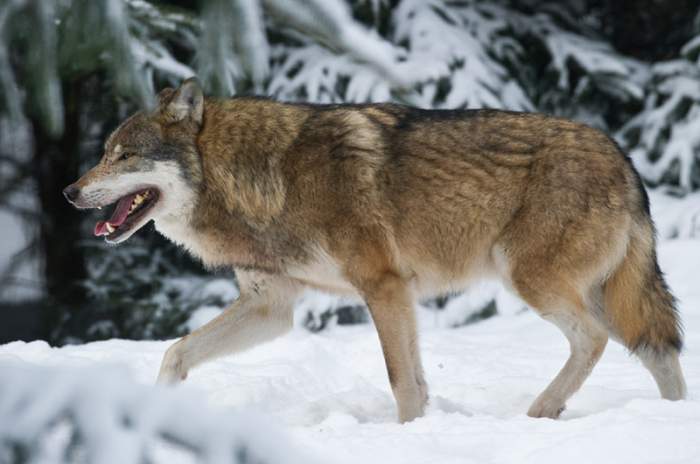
553,296
666,370
641,312
587,339
261,313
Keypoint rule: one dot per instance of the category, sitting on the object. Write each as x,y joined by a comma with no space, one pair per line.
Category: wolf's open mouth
130,209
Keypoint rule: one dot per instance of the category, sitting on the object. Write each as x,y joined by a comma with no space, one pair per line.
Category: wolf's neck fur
242,144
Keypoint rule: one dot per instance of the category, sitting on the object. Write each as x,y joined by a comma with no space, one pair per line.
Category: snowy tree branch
106,418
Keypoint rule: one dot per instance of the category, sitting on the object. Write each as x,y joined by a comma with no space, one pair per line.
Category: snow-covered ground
329,393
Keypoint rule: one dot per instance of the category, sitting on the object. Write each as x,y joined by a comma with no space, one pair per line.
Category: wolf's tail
639,306
641,311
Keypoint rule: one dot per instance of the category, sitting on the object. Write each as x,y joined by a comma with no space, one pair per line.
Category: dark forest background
71,70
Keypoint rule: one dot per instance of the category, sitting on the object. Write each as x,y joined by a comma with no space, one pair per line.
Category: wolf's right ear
185,102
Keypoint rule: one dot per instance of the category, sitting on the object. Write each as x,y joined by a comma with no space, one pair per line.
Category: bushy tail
640,309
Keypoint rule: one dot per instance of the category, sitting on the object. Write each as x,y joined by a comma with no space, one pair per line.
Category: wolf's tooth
99,207
110,228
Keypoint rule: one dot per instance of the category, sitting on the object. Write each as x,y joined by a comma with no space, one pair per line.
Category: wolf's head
150,168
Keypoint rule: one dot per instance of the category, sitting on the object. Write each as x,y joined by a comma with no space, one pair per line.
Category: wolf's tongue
118,217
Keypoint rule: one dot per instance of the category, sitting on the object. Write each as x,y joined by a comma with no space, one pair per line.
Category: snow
329,393
676,217
120,422
201,316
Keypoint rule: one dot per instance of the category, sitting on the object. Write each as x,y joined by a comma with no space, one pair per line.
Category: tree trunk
57,164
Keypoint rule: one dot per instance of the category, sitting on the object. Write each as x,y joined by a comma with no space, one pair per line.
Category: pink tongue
118,217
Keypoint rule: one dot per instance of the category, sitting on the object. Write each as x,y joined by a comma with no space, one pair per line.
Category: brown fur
392,203
642,310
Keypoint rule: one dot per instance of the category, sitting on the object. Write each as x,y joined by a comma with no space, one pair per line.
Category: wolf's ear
185,102
164,96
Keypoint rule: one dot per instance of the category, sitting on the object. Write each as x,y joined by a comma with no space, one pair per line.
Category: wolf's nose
71,193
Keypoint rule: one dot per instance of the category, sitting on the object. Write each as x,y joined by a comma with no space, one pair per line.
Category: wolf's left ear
164,96
185,102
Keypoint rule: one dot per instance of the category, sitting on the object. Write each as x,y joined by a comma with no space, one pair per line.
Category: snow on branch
664,138
233,45
332,24
152,29
465,47
439,54
99,416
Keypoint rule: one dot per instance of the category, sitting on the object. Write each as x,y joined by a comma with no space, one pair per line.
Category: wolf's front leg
262,312
391,306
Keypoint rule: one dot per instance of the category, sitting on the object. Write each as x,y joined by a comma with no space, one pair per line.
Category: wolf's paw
408,413
546,408
172,369
411,401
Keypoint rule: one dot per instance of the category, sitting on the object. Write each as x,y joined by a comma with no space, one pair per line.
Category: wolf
390,204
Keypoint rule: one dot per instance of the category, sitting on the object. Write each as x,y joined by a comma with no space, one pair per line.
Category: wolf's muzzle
71,193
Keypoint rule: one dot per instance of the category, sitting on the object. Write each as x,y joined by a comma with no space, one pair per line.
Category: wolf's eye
126,155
